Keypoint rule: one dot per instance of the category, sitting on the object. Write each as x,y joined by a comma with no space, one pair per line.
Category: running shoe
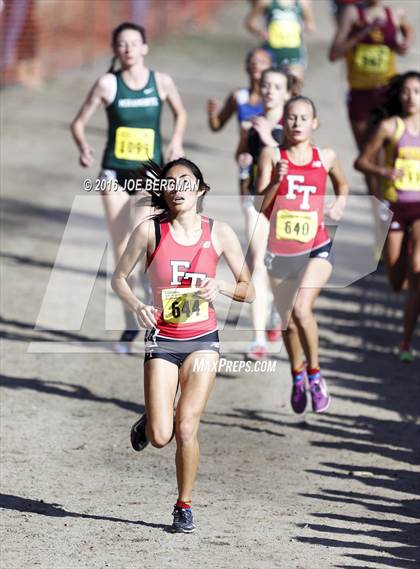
320,397
256,351
138,436
274,335
183,520
298,399
405,353
123,346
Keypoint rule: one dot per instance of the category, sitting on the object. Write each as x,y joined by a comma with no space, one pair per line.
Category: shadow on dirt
69,390
377,380
39,507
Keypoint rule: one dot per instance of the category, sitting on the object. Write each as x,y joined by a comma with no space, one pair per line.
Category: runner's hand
264,128
244,160
279,171
173,151
335,210
213,106
402,48
86,156
392,174
146,316
209,289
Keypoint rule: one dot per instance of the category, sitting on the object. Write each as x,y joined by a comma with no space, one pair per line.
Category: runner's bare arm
308,16
242,147
279,170
264,129
366,163
219,116
266,164
244,160
141,238
339,182
254,19
406,30
101,93
342,43
228,245
169,92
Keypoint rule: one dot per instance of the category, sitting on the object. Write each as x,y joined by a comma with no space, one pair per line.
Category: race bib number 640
296,225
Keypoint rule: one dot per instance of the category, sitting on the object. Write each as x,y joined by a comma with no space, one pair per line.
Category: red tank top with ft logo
296,221
176,271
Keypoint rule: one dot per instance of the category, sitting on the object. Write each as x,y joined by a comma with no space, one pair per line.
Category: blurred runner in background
399,137
266,129
280,23
133,97
338,7
369,38
245,102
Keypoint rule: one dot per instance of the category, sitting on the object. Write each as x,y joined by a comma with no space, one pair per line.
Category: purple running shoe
298,398
320,397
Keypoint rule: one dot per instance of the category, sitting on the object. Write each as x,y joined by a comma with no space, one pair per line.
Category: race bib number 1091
134,143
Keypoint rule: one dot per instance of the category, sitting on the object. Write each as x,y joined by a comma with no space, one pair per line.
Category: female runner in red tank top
298,257
182,249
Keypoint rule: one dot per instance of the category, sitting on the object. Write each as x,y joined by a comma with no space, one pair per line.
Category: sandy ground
274,490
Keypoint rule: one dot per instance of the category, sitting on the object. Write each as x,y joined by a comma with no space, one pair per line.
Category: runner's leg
412,305
257,228
360,129
160,387
315,277
396,258
285,291
195,390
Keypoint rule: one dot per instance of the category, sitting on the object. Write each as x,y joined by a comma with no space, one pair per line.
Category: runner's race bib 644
134,143
284,34
372,58
296,225
183,306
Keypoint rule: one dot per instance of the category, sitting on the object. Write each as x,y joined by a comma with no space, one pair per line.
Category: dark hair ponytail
153,171
392,106
112,66
116,32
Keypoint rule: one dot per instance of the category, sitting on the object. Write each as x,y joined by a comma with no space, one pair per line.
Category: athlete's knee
302,314
186,429
159,437
415,264
291,324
